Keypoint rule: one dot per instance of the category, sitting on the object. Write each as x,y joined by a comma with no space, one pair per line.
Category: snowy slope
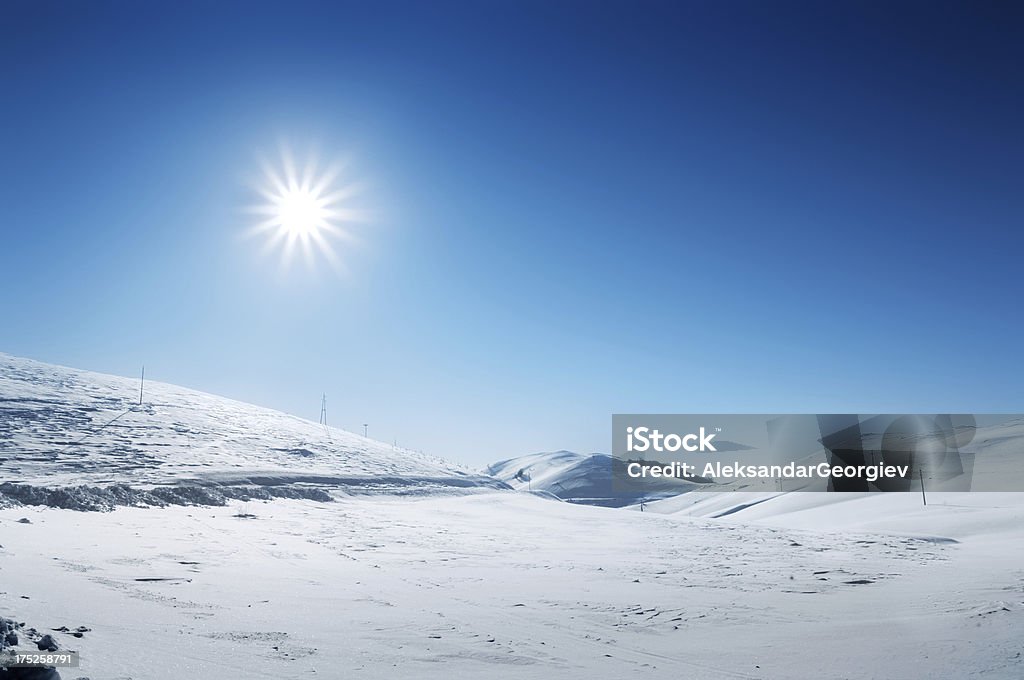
52,433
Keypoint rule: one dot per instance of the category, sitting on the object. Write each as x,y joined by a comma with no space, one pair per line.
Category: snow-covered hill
536,470
580,478
62,427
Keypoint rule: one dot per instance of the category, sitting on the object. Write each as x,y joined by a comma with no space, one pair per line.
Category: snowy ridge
56,430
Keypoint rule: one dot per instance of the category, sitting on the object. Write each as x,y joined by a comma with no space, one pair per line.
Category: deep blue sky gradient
580,208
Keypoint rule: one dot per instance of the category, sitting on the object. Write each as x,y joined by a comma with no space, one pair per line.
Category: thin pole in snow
924,499
142,385
364,428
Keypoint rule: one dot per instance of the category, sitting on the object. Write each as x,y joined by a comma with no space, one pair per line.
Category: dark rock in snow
47,643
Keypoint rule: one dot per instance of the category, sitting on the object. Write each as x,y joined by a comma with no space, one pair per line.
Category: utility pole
920,474
323,410
364,428
142,385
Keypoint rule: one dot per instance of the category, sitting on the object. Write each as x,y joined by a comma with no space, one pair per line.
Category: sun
307,210
300,212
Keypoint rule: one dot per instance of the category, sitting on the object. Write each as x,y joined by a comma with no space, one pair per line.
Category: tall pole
924,499
142,385
364,428
323,409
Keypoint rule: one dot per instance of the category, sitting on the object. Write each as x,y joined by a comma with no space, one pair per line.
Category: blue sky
579,208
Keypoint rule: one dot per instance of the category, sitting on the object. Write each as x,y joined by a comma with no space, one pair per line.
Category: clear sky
577,208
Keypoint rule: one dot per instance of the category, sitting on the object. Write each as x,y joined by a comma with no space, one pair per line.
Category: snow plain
450,584
507,585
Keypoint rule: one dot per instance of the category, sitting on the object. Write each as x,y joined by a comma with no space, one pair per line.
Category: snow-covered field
511,586
450,584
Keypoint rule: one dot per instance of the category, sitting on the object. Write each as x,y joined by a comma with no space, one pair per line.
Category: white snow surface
508,585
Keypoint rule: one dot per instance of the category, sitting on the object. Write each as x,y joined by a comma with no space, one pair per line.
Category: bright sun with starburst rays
305,210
